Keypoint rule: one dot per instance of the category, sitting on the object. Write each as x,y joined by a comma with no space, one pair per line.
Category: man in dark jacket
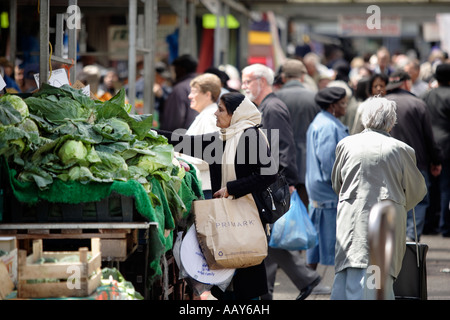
257,80
438,102
302,108
414,128
176,112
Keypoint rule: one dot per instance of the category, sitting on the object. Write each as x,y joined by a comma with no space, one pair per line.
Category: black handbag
411,283
273,201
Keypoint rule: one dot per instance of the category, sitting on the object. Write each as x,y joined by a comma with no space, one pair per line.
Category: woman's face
110,79
379,87
340,107
223,118
199,100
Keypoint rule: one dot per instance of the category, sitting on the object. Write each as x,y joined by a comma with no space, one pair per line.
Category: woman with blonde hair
205,91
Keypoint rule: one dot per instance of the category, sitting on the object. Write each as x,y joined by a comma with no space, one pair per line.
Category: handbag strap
262,132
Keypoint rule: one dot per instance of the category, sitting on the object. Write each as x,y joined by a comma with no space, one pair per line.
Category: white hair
260,71
379,113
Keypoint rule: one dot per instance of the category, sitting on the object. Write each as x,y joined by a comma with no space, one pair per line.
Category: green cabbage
17,103
59,133
72,151
20,145
92,156
161,158
29,125
114,129
78,173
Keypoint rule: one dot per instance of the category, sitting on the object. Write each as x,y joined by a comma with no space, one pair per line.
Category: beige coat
372,166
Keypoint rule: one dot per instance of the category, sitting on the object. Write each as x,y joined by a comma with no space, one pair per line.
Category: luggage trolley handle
415,235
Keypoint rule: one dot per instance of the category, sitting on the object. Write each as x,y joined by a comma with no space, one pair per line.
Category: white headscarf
245,116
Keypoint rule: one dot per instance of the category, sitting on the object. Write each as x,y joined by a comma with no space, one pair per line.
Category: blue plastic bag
294,230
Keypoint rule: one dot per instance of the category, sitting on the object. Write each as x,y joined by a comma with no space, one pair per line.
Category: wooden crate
116,243
75,279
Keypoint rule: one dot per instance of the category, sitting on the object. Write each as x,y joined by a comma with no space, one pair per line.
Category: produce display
59,139
61,133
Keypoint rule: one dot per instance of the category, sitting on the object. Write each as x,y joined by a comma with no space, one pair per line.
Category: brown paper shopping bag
230,232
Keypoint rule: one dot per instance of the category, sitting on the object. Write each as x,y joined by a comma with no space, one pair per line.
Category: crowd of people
345,134
395,110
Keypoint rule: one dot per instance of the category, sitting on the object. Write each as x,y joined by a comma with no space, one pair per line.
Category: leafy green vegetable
65,91
8,114
92,156
124,286
112,166
78,173
58,110
17,104
114,129
69,137
72,151
140,124
29,125
161,158
41,177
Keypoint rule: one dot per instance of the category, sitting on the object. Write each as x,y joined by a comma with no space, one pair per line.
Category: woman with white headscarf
240,163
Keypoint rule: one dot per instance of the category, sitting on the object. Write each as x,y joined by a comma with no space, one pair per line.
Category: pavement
437,264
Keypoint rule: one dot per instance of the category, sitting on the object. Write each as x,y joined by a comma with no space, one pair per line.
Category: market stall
78,168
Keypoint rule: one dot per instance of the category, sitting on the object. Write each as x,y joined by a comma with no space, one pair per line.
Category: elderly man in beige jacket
371,167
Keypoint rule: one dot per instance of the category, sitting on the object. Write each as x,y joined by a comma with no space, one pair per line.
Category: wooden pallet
63,279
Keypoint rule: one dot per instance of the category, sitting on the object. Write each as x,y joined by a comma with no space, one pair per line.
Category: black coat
302,108
177,112
414,128
275,115
438,102
247,282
